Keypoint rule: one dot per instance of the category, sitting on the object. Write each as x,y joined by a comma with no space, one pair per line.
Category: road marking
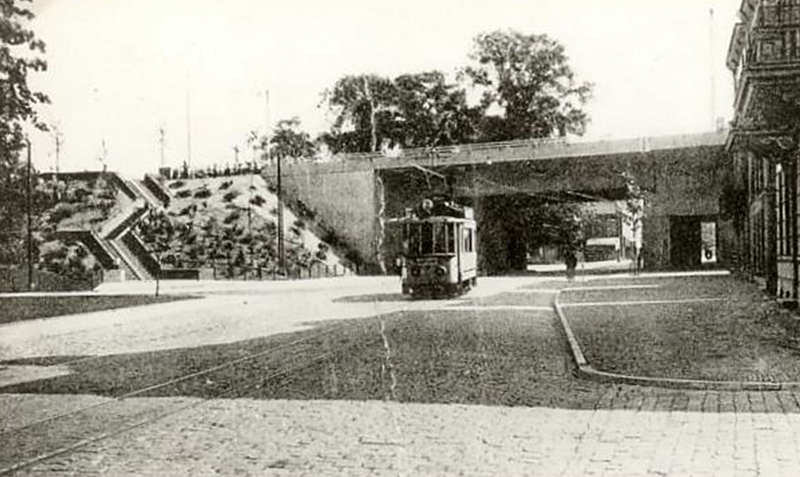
644,302
624,287
498,307
534,290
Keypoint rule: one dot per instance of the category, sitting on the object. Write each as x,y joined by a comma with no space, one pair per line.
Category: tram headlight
414,271
441,271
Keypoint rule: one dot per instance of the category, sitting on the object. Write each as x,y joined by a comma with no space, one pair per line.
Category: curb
587,371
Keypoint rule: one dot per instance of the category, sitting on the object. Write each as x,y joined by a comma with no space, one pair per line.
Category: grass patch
742,337
19,308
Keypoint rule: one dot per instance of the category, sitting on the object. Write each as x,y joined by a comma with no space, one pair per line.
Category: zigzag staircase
116,246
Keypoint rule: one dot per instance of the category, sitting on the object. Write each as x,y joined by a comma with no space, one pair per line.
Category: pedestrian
571,261
639,259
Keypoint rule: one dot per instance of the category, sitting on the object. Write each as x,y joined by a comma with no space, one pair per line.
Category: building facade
761,197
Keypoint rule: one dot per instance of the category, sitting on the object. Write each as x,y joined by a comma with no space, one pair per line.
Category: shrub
105,194
225,185
322,252
182,194
61,212
354,256
202,194
188,210
303,210
230,195
258,201
176,184
232,217
299,224
58,252
330,237
80,194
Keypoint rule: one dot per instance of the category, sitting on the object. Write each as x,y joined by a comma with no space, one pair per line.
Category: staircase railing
127,222
157,189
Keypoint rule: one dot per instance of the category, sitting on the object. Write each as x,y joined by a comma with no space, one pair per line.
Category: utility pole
103,155
30,221
161,142
280,217
236,155
712,63
188,123
279,192
59,141
59,138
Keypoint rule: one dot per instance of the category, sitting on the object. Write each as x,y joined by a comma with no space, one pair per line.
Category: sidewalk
599,266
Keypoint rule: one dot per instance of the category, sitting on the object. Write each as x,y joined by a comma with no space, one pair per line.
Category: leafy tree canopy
288,141
19,50
529,79
524,78
432,112
363,109
412,110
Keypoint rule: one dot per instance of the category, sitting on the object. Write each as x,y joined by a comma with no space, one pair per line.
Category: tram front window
430,238
426,239
443,238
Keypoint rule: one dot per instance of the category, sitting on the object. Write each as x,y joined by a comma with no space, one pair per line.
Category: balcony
765,48
777,14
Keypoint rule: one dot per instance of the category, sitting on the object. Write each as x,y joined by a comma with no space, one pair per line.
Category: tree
288,141
19,50
363,108
432,112
413,110
559,224
634,212
528,78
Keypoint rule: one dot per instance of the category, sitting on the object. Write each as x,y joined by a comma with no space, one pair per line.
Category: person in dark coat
571,261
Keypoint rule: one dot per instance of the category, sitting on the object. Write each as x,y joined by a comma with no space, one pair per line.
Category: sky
121,70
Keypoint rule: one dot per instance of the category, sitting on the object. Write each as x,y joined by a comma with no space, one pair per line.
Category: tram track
24,446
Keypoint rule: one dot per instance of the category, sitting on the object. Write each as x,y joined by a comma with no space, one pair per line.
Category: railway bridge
682,175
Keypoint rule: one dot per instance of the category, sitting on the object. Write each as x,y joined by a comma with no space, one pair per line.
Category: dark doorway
685,242
516,252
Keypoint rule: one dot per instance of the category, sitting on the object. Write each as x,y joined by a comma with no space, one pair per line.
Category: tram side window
451,238
413,238
468,240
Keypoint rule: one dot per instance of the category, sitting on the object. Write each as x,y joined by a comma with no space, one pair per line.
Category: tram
439,250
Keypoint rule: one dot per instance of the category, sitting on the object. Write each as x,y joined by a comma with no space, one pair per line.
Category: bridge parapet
509,151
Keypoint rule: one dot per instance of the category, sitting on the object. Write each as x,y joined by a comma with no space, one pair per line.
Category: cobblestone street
635,432
610,430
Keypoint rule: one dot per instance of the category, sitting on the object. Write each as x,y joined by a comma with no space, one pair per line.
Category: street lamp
30,222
